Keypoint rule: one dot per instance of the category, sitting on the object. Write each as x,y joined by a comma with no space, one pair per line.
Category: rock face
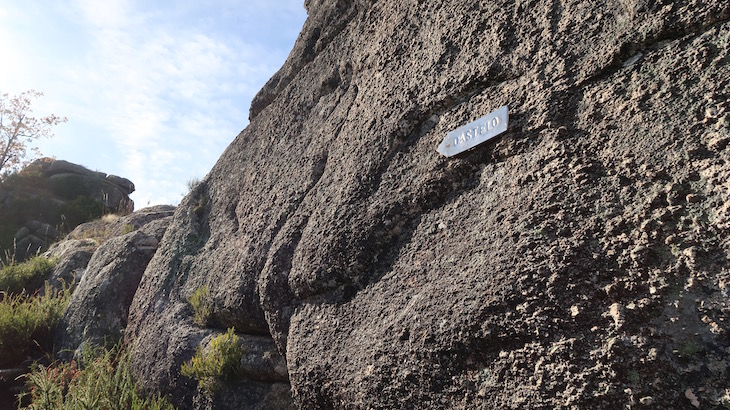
577,260
73,255
98,310
34,235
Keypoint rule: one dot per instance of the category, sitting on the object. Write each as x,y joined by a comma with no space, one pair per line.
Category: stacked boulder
51,196
113,191
34,234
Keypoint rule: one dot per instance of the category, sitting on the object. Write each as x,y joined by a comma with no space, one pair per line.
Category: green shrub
27,323
690,348
100,380
199,209
27,276
199,301
220,361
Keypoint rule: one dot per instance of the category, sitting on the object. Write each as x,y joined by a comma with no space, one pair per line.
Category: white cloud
154,95
107,13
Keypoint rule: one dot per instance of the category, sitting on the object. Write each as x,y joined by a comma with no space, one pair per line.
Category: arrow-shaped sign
474,133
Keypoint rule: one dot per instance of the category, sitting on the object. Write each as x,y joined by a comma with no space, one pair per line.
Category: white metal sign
474,133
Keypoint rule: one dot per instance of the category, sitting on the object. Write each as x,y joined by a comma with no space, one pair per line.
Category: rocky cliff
577,260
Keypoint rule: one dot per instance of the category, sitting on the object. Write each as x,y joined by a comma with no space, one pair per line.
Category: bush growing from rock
28,320
220,361
199,301
27,323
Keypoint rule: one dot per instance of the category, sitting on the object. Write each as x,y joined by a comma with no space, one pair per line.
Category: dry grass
110,218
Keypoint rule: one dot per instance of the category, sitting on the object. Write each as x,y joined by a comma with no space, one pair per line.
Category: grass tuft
110,218
128,228
27,322
199,301
27,276
220,361
101,379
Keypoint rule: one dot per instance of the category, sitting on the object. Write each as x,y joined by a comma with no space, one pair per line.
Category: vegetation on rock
34,302
28,317
100,379
199,301
220,361
19,277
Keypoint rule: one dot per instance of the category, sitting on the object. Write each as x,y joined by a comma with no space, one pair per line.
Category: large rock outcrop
577,260
51,196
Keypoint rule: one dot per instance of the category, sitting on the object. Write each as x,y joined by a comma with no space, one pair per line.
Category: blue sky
154,91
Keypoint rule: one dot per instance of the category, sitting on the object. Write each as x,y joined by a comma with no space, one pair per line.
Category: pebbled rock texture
577,260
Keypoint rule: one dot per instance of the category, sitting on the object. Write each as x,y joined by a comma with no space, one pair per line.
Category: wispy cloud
168,89
107,13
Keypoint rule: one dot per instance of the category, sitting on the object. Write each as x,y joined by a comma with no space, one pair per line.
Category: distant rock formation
34,235
51,196
111,190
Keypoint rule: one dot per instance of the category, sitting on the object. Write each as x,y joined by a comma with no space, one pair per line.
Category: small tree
18,127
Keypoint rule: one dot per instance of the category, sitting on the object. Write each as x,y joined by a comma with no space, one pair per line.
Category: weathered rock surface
577,260
110,226
99,307
73,255
74,252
